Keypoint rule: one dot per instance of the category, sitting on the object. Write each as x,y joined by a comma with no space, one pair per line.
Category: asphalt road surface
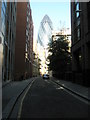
48,100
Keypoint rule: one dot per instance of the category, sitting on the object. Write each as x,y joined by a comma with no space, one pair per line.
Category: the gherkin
44,35
45,31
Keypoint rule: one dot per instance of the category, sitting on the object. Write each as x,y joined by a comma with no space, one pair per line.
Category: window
88,10
7,28
26,47
0,40
26,32
78,33
3,7
27,19
76,1
78,22
77,9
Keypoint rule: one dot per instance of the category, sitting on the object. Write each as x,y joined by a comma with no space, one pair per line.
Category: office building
8,15
44,36
80,30
16,39
2,35
24,42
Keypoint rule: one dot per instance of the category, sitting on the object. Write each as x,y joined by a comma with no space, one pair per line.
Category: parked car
45,76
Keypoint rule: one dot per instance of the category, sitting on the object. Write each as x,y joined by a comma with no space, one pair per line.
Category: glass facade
8,27
44,36
77,18
45,31
3,6
77,9
88,12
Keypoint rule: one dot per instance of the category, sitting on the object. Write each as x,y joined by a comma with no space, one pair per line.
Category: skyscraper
45,31
44,36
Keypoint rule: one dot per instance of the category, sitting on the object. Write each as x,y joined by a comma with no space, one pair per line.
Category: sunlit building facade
80,24
44,36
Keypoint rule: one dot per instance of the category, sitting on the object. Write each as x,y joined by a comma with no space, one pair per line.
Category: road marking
20,109
60,88
78,97
74,95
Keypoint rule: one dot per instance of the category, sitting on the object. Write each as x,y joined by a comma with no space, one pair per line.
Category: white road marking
60,88
76,96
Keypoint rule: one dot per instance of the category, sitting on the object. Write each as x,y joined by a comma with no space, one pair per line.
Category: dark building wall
24,41
80,40
20,39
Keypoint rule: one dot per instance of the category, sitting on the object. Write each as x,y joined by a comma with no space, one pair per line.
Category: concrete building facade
80,30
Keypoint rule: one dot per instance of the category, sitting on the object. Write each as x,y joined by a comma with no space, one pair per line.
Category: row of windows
3,16
28,34
77,9
88,9
77,30
4,5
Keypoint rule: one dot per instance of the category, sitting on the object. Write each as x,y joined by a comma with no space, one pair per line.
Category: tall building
80,29
44,36
7,37
9,41
45,31
3,7
2,34
16,40
24,41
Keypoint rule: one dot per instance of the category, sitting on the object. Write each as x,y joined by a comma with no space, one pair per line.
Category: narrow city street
44,59
48,100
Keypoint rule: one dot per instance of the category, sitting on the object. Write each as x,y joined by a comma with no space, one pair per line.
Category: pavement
12,90
77,89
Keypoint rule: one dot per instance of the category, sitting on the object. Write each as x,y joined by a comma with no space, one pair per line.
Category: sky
59,13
